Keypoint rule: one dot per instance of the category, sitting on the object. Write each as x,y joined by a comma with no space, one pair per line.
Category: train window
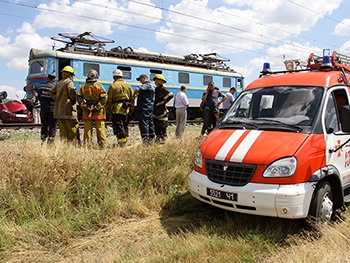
126,72
88,66
184,78
207,79
154,72
37,67
226,82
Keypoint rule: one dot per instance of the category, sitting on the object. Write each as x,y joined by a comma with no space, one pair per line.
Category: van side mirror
345,118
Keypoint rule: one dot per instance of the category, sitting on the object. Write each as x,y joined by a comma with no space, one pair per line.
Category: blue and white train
84,52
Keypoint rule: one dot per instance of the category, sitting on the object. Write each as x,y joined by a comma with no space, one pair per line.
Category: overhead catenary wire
233,27
278,29
230,46
140,27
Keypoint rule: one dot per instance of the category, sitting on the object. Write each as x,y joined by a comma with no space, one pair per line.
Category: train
86,51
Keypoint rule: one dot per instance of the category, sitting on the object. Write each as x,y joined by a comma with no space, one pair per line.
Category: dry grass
72,204
326,243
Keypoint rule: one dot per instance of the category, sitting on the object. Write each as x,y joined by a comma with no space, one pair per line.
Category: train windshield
37,67
287,105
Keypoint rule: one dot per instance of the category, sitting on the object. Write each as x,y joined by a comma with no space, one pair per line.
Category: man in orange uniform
92,98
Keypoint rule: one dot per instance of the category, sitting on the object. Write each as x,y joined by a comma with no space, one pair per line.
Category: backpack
202,105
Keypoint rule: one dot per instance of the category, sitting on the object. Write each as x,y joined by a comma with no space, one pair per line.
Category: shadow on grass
185,214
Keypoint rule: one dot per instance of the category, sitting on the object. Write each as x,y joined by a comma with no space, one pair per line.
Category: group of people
58,107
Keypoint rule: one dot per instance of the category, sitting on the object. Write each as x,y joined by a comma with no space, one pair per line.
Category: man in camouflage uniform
162,97
120,103
92,98
65,110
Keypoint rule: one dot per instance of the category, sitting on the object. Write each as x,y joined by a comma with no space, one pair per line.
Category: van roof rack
336,60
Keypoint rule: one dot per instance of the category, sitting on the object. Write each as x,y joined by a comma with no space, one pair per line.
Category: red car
14,111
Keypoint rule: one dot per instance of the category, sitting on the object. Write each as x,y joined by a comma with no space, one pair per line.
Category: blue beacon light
266,68
326,60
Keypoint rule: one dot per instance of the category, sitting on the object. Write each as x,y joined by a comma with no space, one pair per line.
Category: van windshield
285,105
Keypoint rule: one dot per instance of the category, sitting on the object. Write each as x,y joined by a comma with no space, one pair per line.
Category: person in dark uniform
211,110
163,96
47,105
145,106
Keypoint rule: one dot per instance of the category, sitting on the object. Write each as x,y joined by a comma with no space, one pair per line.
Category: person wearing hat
162,97
47,104
120,104
65,109
92,98
145,104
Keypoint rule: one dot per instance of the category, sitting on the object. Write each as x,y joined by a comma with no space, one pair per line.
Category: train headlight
198,161
281,168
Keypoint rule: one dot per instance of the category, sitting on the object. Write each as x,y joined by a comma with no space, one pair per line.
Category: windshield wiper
237,122
271,121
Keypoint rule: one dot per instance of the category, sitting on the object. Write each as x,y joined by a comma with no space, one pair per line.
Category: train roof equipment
89,44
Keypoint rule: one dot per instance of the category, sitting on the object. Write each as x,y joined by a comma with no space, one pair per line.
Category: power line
318,13
268,26
138,27
187,25
182,24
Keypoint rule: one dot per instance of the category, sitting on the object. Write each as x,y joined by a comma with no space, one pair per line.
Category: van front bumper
285,201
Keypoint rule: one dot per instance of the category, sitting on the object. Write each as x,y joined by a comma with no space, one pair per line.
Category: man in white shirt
181,103
228,102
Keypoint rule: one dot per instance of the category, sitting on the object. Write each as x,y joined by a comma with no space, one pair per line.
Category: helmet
117,73
93,74
68,69
160,77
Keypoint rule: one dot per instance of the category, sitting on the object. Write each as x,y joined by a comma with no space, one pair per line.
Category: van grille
229,173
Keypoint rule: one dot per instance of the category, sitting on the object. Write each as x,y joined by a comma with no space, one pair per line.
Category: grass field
73,204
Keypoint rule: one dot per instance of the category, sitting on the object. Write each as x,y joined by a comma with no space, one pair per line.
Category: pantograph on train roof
88,43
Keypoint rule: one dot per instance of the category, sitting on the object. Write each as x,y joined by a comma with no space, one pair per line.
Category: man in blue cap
145,105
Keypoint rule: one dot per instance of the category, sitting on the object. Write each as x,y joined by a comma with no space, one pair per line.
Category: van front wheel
322,202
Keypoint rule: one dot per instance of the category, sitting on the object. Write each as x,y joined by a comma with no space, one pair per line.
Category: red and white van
283,148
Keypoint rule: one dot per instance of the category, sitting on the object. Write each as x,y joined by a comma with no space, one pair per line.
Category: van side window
332,122
336,101
341,100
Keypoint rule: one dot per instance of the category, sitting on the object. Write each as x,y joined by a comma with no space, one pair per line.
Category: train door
62,62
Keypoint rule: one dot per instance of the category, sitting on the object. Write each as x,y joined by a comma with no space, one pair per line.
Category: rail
30,126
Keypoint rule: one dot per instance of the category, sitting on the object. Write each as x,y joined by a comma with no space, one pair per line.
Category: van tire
321,208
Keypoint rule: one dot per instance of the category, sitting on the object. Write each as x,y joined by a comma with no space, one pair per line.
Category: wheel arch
331,174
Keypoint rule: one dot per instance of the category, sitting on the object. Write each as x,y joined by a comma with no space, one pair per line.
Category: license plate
21,115
221,194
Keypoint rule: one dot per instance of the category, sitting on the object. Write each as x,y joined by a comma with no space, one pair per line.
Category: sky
247,32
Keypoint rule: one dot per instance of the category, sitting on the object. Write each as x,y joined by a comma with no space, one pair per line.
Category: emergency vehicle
283,148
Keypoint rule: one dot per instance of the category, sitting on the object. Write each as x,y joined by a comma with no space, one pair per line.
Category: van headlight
281,168
198,160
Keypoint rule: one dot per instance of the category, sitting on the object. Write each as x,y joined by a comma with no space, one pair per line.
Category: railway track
31,126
